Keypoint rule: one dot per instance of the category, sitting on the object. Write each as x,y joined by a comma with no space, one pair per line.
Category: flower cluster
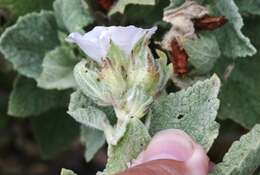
122,71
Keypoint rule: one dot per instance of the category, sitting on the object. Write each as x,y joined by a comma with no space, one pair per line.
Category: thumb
171,152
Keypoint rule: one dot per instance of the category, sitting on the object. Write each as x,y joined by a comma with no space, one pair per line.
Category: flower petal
96,42
126,37
92,45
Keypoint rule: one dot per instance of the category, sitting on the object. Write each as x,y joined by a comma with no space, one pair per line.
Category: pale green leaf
21,7
120,6
133,142
27,99
240,95
26,43
193,110
79,101
233,43
81,110
249,6
54,131
58,66
72,15
243,156
93,140
67,172
203,52
90,117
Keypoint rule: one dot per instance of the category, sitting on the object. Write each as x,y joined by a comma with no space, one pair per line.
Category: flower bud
90,82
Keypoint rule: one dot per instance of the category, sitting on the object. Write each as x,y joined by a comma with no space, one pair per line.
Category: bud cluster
124,73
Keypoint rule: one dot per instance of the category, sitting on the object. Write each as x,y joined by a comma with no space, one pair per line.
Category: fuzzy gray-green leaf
54,131
93,140
72,15
243,156
90,117
233,43
28,100
203,52
81,109
249,6
240,95
79,101
26,43
193,110
133,142
58,66
21,7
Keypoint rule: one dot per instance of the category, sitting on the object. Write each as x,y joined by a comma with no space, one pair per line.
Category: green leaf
79,101
67,172
21,7
121,5
72,15
90,117
249,6
133,142
145,15
243,156
240,95
193,110
81,110
233,43
203,52
58,66
26,43
27,99
93,140
55,131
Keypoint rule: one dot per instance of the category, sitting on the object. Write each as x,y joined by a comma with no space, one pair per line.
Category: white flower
96,42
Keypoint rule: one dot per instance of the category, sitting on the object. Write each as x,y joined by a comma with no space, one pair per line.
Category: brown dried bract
179,58
106,4
208,22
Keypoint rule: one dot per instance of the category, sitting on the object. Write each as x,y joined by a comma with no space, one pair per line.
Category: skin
171,152
162,167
